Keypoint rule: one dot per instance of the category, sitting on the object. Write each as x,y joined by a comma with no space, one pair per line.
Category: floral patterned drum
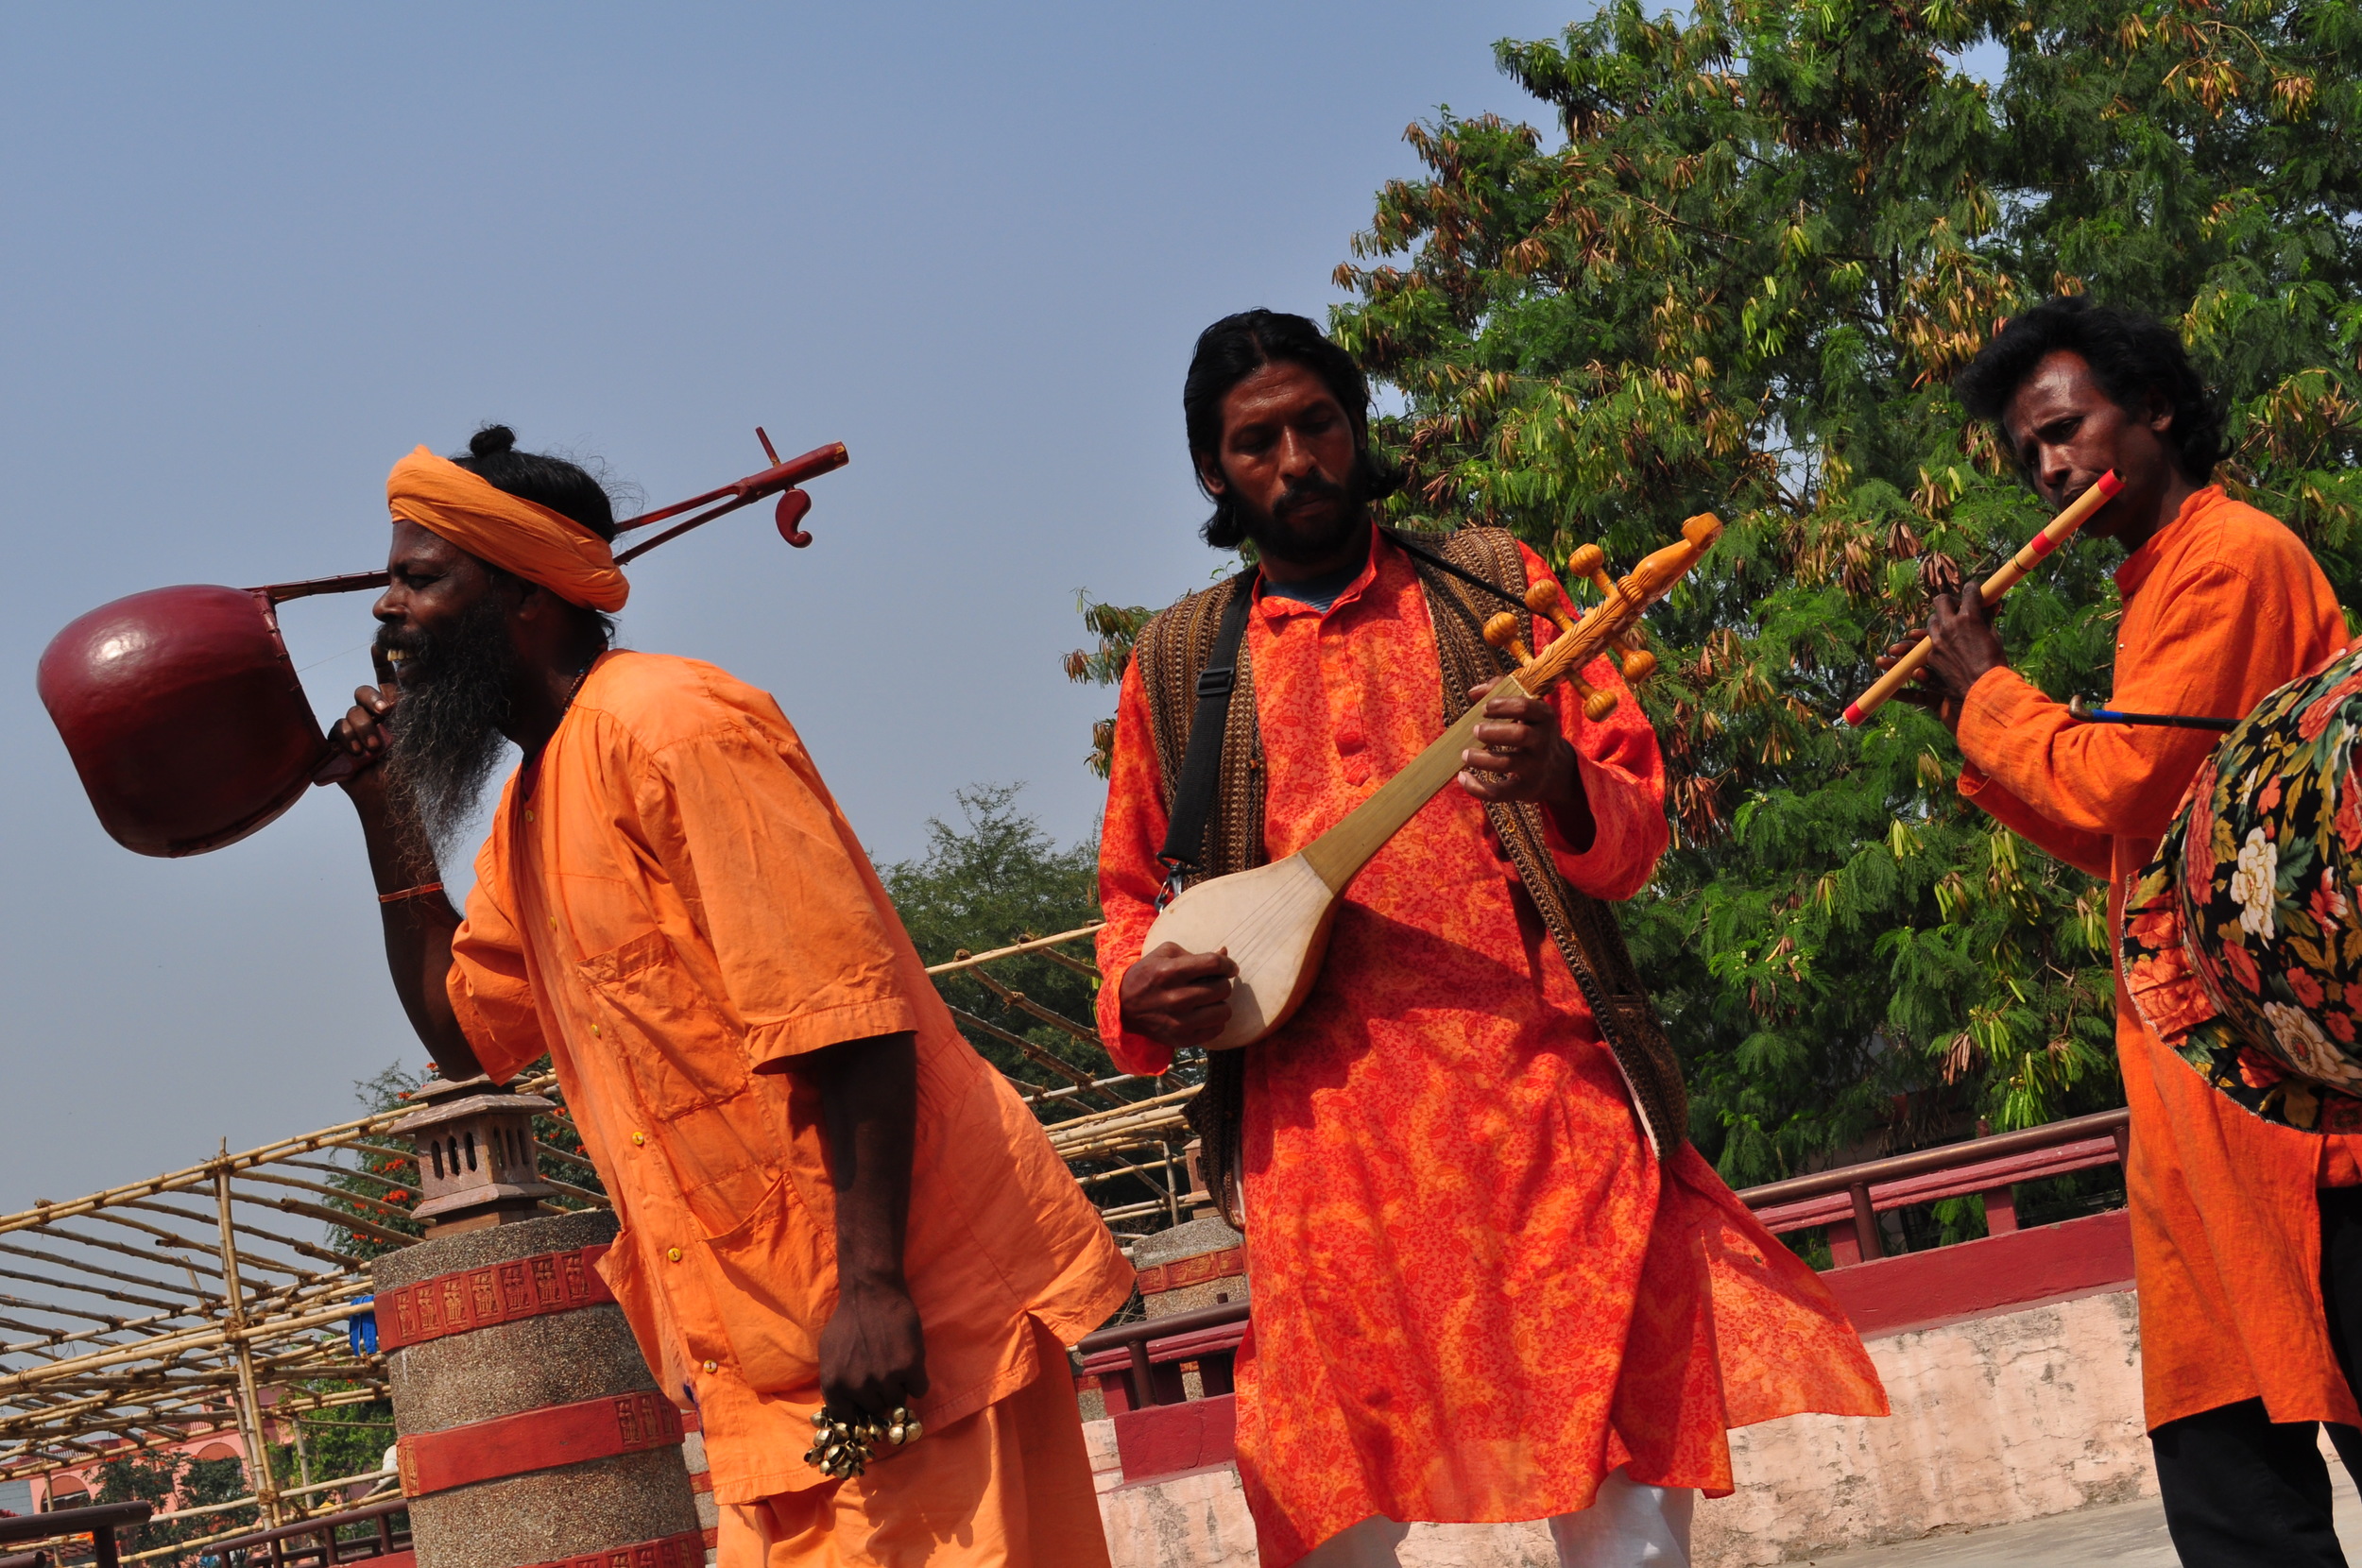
2242,940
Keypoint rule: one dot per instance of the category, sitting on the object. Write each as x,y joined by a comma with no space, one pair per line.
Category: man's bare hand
1175,998
1967,647
872,1356
360,735
1917,693
1518,743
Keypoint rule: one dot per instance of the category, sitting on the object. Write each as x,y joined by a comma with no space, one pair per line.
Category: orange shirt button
673,1253
713,1366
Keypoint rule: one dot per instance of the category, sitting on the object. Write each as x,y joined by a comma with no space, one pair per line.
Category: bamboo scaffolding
160,1313
1026,1004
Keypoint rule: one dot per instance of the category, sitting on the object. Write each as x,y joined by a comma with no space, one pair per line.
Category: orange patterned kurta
2220,606
1476,1291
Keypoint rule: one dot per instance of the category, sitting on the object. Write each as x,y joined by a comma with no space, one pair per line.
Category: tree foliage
1735,274
995,880
166,1479
1737,278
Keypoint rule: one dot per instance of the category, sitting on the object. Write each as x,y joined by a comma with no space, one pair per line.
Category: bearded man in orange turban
825,1195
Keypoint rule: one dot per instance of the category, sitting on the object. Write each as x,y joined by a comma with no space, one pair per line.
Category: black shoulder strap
1431,558
1200,764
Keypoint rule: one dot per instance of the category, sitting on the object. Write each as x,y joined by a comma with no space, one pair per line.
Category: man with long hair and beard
1491,1279
828,1197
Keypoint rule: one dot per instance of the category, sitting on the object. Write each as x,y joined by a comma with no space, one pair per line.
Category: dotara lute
1273,920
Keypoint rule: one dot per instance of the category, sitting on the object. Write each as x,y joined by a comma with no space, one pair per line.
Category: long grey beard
444,740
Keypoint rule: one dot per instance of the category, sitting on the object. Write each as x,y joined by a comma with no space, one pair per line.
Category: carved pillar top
476,1161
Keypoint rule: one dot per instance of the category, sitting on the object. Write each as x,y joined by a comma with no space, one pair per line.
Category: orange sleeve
804,945
1130,875
2217,646
488,990
1623,777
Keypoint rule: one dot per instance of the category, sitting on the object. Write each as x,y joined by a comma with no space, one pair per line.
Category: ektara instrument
1275,920
186,717
2061,529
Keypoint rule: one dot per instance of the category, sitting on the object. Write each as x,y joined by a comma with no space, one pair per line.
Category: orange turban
513,533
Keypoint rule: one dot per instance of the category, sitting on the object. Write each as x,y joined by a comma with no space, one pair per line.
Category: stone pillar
529,1431
1198,1264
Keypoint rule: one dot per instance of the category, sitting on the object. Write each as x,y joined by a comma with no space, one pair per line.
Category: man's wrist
1569,803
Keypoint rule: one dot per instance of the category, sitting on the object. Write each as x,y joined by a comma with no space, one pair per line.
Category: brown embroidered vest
1170,651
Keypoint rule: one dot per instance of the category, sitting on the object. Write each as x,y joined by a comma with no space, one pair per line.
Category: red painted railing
1990,1166
99,1524
313,1543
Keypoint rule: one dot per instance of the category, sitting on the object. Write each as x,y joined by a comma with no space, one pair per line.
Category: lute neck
1344,849
1337,855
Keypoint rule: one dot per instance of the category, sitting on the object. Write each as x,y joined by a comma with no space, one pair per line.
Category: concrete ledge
2015,1416
1996,1420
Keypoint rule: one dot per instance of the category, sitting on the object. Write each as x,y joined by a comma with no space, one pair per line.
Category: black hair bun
491,440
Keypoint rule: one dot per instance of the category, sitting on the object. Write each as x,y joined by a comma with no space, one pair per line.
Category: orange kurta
1476,1291
2220,606
670,902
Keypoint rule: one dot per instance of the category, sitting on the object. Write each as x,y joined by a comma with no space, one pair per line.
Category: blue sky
250,255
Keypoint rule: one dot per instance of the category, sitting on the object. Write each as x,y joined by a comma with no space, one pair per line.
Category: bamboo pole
201,1176
250,1397
1034,945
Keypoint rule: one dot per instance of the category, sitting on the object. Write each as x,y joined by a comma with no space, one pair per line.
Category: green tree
1738,278
1115,627
154,1478
1735,274
992,881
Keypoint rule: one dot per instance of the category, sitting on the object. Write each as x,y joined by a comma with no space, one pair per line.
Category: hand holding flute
1961,639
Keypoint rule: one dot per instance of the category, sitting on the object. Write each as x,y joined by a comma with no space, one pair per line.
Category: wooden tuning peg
1637,665
1596,704
1502,631
1544,598
1590,563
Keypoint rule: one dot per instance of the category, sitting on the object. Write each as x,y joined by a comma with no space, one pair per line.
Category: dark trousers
2243,1492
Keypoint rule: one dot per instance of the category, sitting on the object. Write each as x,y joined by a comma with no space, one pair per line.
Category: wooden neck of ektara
1344,849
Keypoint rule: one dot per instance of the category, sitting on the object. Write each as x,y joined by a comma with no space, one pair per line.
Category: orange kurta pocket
678,1049
713,1123
777,1351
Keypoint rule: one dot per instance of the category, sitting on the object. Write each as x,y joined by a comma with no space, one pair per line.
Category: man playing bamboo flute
2222,604
1491,1280
825,1193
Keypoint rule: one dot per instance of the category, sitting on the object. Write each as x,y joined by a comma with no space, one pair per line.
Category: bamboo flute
2061,529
